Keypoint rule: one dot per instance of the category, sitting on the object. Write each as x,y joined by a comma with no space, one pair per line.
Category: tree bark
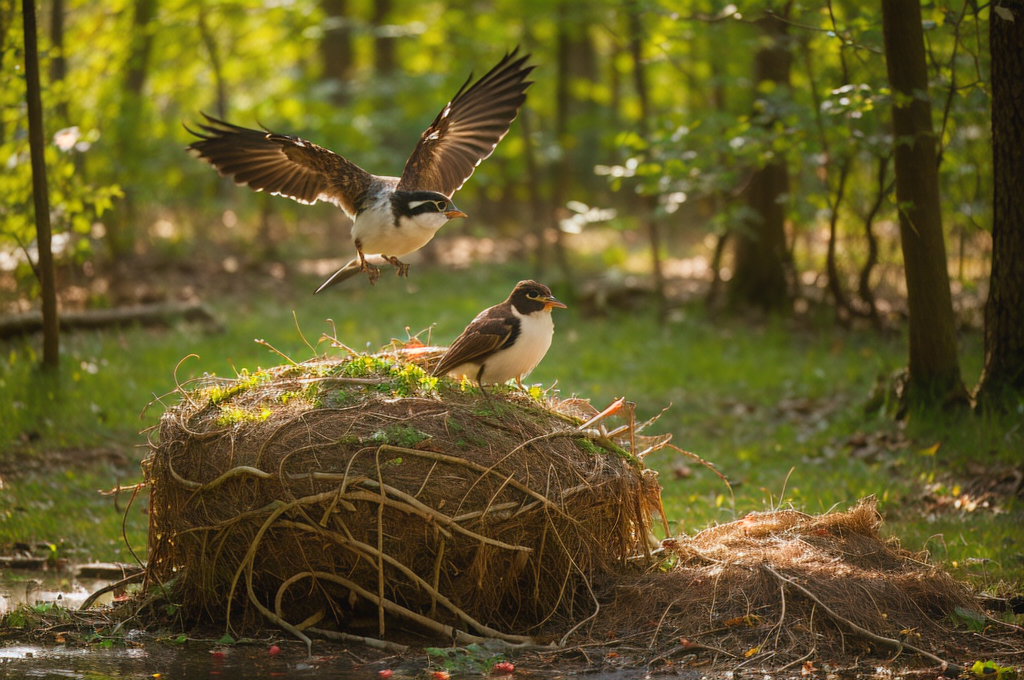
40,195
761,253
934,370
121,227
213,52
384,44
1003,376
336,47
647,203
58,64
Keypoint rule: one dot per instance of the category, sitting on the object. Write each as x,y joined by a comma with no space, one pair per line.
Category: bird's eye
441,205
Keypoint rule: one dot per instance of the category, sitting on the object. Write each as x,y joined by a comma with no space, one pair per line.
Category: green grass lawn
777,406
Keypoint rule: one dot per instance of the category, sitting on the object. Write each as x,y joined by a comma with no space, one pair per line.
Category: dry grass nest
326,493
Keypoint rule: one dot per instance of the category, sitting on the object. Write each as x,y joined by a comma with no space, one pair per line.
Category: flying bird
392,216
504,341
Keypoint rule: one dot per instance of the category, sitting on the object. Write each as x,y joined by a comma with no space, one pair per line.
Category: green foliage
473,658
75,202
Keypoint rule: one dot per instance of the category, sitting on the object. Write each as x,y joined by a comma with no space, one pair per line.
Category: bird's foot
401,268
373,273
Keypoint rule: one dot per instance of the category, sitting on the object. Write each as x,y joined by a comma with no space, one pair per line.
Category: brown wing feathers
280,164
468,129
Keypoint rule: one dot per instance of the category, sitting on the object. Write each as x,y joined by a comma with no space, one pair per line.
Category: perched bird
392,216
504,341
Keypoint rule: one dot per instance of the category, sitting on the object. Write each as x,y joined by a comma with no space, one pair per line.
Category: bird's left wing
281,165
486,334
468,129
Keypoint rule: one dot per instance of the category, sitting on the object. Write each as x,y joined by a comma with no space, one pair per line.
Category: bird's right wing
467,130
281,165
483,336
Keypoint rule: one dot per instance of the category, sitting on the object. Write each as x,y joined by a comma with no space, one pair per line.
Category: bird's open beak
552,302
452,214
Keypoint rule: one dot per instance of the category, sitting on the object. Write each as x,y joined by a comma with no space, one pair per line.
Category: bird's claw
373,273
401,268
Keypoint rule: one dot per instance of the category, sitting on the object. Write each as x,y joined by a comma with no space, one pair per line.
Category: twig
89,601
689,646
374,643
864,632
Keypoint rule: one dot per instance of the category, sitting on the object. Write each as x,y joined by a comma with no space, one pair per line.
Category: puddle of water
29,587
160,662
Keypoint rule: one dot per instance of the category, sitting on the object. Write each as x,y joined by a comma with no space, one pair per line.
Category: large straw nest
339,488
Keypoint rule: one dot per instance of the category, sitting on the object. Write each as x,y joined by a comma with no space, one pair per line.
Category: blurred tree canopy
656,118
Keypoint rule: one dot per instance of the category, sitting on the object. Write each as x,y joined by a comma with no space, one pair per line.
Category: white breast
376,232
522,357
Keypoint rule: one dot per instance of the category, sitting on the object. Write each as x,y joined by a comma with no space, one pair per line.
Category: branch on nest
898,645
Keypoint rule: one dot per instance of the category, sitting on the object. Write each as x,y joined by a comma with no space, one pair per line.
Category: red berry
385,674
274,650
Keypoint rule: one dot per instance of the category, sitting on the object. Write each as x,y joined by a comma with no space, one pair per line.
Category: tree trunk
58,64
934,370
384,43
40,196
7,10
121,227
647,203
760,279
563,169
336,48
213,52
1003,376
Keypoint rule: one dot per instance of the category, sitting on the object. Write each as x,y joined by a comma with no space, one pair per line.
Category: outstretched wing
468,129
485,335
281,165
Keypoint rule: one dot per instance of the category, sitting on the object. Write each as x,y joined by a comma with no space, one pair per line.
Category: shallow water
162,662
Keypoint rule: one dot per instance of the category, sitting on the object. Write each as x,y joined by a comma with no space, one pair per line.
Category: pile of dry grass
786,586
340,487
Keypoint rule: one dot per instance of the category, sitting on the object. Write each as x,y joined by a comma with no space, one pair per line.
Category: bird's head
428,209
529,297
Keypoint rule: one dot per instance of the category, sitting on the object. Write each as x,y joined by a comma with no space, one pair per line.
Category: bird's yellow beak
452,214
552,302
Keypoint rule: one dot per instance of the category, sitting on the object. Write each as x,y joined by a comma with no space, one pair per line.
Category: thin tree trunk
58,64
40,196
934,369
759,279
213,52
563,170
835,285
864,287
384,44
337,51
648,203
534,189
121,228
7,10
1004,311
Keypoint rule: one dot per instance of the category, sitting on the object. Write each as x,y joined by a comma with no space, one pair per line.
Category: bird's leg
401,267
480,383
372,272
